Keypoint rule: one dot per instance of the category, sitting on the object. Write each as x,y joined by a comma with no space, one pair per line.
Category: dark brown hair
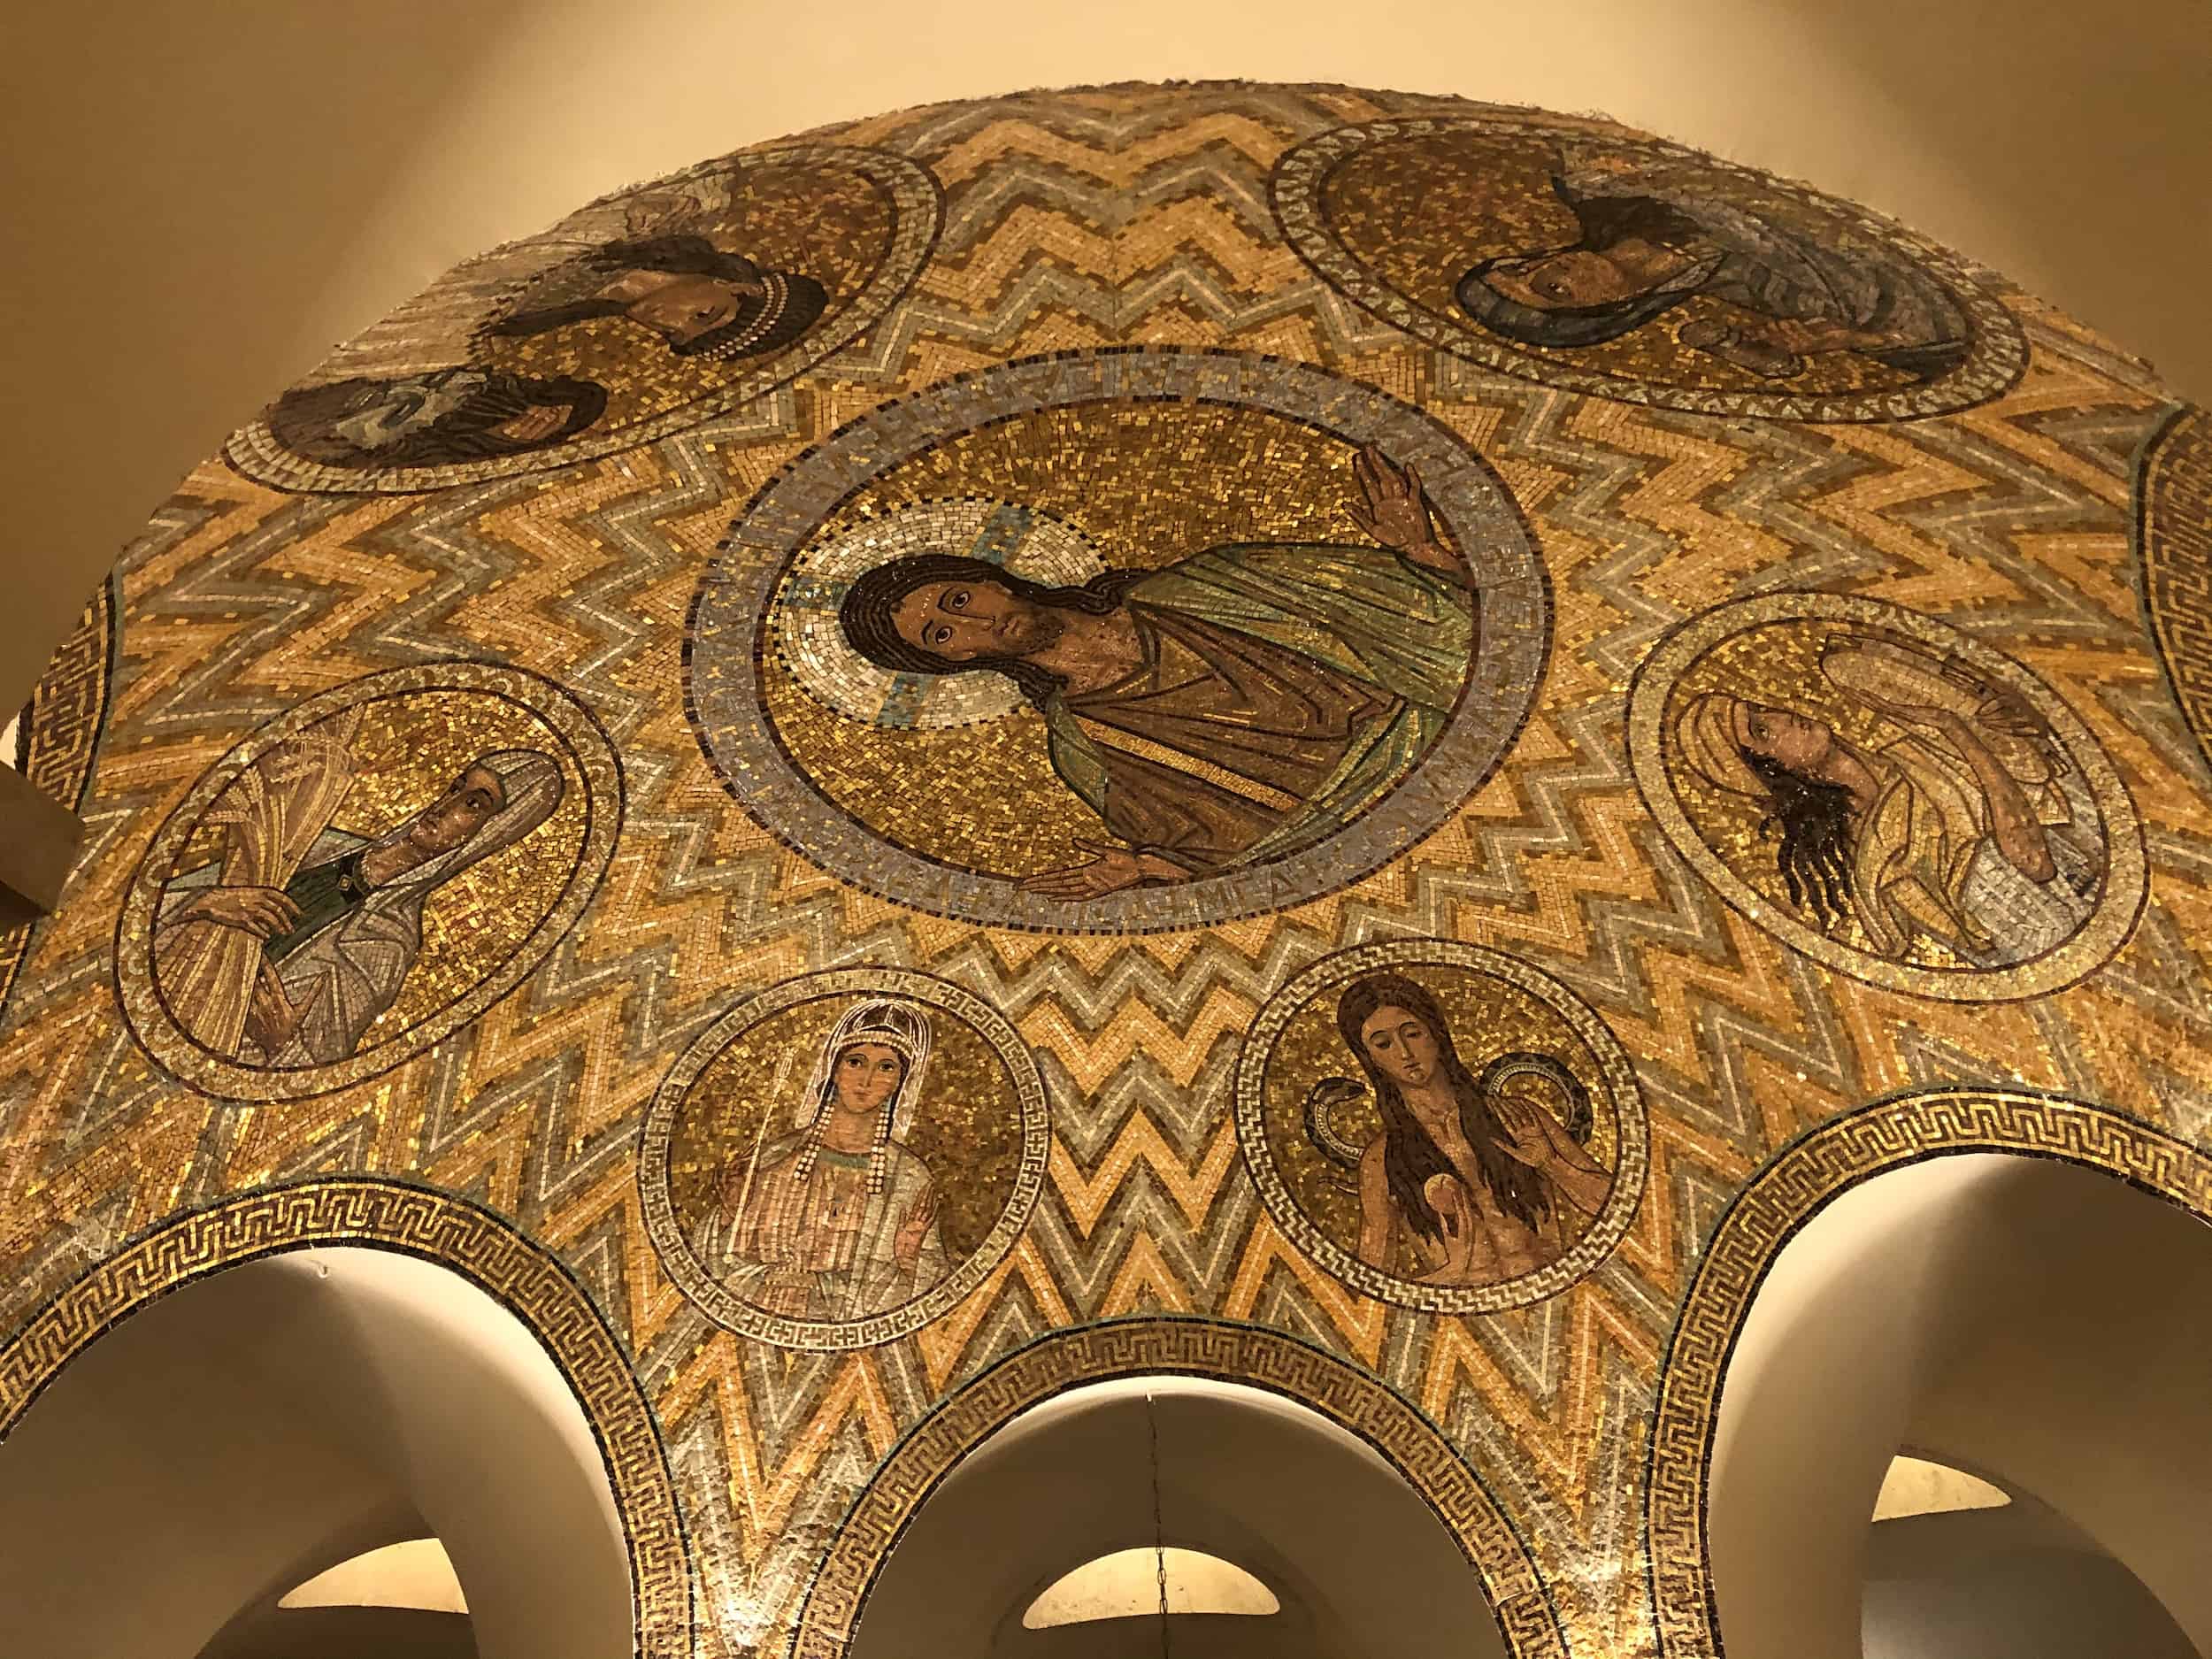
1411,1155
869,611
1819,832
1604,220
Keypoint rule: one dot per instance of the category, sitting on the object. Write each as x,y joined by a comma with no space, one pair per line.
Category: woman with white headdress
285,949
835,1219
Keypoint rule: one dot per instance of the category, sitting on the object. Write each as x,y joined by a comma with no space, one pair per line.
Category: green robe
1284,689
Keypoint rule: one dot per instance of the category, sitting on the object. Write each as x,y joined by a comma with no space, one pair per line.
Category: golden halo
1022,540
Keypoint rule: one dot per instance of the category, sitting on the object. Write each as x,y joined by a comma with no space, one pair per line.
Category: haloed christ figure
1240,704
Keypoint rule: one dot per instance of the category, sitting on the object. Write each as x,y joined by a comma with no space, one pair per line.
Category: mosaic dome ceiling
1349,740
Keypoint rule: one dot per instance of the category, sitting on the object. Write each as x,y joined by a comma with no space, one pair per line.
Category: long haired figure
1472,1182
834,1219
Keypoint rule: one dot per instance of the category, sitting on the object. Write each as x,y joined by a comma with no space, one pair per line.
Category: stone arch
1337,1390
1772,1208
451,1232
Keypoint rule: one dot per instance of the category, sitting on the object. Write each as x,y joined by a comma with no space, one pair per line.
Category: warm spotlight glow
1916,1486
1127,1585
417,1574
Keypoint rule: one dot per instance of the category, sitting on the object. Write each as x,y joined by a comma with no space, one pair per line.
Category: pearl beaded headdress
899,1026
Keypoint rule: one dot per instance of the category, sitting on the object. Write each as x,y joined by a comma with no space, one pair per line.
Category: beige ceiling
200,198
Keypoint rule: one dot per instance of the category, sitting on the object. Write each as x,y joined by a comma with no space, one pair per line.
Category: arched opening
1139,1583
2011,1579
415,1573
1356,1562
217,1450
2039,1324
1925,1485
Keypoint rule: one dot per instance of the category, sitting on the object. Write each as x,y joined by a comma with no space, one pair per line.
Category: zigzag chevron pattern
1072,221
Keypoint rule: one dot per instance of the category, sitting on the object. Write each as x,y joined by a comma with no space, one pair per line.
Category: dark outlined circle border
2127,871
917,207
166,1042
1465,490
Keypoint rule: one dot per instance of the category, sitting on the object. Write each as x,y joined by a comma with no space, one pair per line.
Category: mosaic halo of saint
646,312
1442,1125
1888,795
837,1161
364,875
1026,544
1639,270
1316,623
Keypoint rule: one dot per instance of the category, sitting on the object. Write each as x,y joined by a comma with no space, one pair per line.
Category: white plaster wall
166,1480
2044,1325
253,1429
2015,1583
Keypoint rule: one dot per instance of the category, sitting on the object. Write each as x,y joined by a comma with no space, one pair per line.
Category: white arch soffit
1353,1557
282,1416
416,1573
1131,1583
2045,1324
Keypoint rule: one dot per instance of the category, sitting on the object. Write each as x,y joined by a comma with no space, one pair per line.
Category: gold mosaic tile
1738,727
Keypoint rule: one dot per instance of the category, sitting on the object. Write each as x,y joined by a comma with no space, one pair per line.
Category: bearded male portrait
1240,704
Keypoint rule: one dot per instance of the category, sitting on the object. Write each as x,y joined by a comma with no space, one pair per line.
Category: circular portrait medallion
1119,641
1440,1125
1888,795
1636,269
2173,552
646,312
364,876
836,1161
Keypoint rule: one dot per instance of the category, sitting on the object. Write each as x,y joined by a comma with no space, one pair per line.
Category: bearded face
961,621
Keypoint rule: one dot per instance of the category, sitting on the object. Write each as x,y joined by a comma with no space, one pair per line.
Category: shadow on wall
257,1426
2044,1325
1357,1562
2020,1582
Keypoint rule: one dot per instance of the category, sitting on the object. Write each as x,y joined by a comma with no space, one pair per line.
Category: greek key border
434,1227
1794,1186
2173,555
60,731
1350,1398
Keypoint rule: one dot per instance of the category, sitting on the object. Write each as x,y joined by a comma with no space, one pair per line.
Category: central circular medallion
1119,641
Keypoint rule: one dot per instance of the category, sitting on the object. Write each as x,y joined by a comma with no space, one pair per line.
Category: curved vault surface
910,742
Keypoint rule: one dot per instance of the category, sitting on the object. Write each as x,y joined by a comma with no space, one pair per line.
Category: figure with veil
284,947
1651,237
669,276
835,1219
